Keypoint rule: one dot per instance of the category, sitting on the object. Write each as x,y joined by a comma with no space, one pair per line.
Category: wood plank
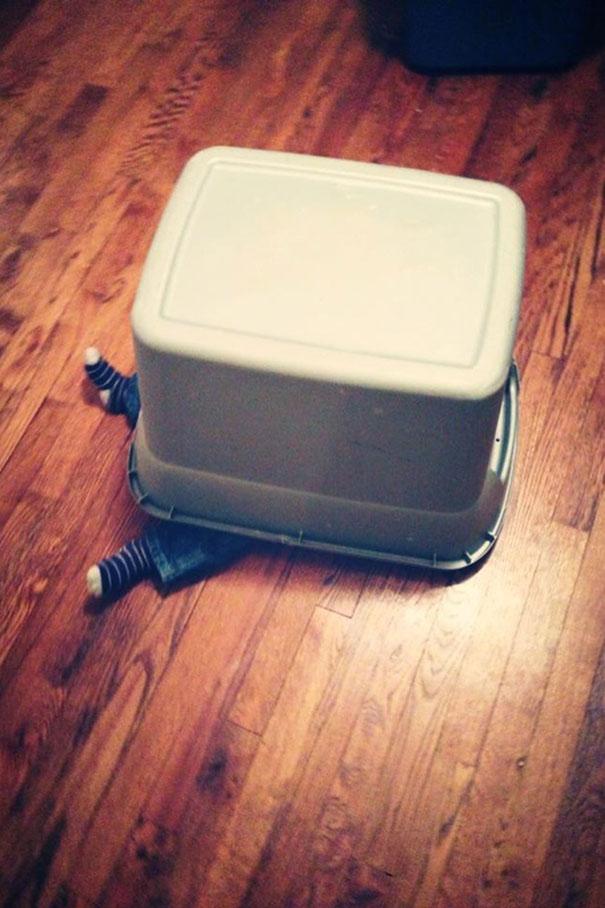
344,583
155,772
23,577
58,633
333,583
159,865
25,63
448,120
263,803
578,242
302,745
579,495
49,555
380,130
288,64
501,758
576,853
21,469
51,344
323,123
100,705
64,454
39,83
353,787
278,641
595,895
551,458
515,863
513,571
536,142
426,815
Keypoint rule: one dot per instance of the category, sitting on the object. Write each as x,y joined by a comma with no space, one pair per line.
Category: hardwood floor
301,730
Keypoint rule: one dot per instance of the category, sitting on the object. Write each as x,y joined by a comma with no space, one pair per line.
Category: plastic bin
441,36
325,355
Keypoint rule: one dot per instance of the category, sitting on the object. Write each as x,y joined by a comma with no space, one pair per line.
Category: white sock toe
93,581
91,356
105,395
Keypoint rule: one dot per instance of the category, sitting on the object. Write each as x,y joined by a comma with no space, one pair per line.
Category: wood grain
576,853
301,730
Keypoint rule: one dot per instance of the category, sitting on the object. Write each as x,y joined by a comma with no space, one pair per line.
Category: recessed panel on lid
341,262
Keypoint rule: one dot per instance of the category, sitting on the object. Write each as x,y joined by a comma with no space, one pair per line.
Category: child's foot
118,393
118,573
108,380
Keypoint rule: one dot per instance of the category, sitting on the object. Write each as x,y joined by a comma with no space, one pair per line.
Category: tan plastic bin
325,355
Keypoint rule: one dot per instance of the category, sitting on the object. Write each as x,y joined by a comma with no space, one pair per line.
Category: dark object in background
12,14
455,36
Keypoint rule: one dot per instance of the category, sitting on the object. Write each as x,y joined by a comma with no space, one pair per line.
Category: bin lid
336,270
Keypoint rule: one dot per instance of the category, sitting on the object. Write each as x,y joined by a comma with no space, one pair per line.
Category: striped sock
119,572
112,384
